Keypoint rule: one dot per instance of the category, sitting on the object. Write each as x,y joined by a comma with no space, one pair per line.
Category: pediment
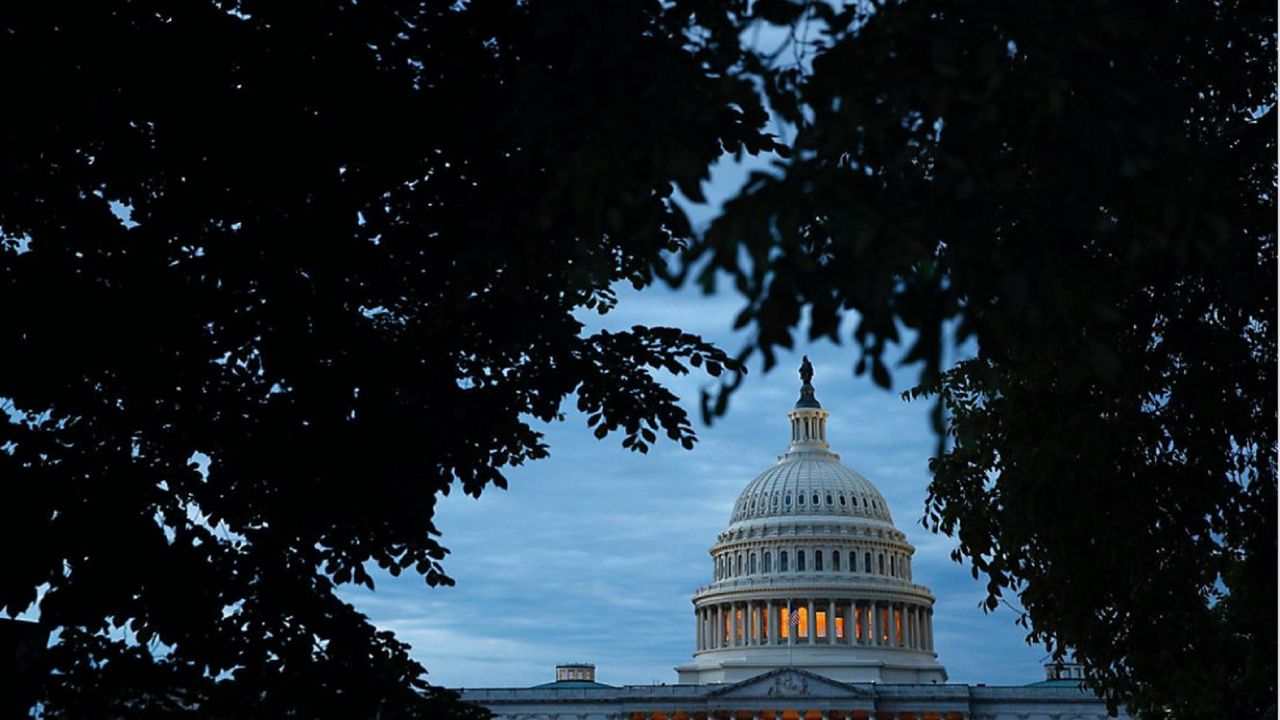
790,683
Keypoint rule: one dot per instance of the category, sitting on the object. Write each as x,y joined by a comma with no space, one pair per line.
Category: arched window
800,498
739,572
782,561
866,562
720,568
829,500
751,565
853,561
799,561
841,501
893,565
788,501
775,501
817,560
835,561
815,498
768,561
881,563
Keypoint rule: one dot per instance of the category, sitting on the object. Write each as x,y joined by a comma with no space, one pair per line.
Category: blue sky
594,553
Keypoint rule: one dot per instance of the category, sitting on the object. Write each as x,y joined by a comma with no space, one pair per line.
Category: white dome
804,485
811,573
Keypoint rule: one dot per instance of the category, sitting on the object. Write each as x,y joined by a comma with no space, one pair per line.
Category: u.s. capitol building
812,613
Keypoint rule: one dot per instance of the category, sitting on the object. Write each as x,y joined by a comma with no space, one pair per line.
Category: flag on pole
795,616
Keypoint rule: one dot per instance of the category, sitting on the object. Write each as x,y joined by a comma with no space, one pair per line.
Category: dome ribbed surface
810,486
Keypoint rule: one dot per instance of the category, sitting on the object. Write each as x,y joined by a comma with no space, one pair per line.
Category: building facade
811,614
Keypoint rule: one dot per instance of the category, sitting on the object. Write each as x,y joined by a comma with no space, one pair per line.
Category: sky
593,554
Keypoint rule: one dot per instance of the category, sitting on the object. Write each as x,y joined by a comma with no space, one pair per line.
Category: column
831,622
771,622
702,627
733,624
877,636
719,634
755,623
791,630
813,626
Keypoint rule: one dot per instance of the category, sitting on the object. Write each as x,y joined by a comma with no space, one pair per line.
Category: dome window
800,498
835,561
841,501
782,561
881,563
775,501
815,498
768,561
817,560
866,562
799,561
751,565
788,501
853,561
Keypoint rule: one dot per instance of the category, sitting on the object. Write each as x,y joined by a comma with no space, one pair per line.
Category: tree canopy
1086,193
277,279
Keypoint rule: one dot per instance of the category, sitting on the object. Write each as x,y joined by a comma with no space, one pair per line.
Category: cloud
594,554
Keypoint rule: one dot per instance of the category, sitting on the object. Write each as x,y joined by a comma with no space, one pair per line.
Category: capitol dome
812,573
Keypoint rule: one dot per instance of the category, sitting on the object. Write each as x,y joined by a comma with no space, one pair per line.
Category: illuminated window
835,561
802,629
884,625
755,621
739,630
820,622
859,624
817,559
840,625
768,564
782,561
799,561
897,625
784,623
764,625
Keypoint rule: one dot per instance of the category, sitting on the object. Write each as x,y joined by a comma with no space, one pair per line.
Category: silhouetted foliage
1086,193
357,233
278,276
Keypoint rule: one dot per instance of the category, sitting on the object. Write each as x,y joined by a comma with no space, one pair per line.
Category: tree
275,279
1086,192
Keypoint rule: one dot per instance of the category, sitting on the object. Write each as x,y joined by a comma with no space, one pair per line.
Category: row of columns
765,623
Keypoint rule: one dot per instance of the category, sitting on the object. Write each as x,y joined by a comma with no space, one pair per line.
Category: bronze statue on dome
806,371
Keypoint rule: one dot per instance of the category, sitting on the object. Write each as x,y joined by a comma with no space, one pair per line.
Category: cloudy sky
593,554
